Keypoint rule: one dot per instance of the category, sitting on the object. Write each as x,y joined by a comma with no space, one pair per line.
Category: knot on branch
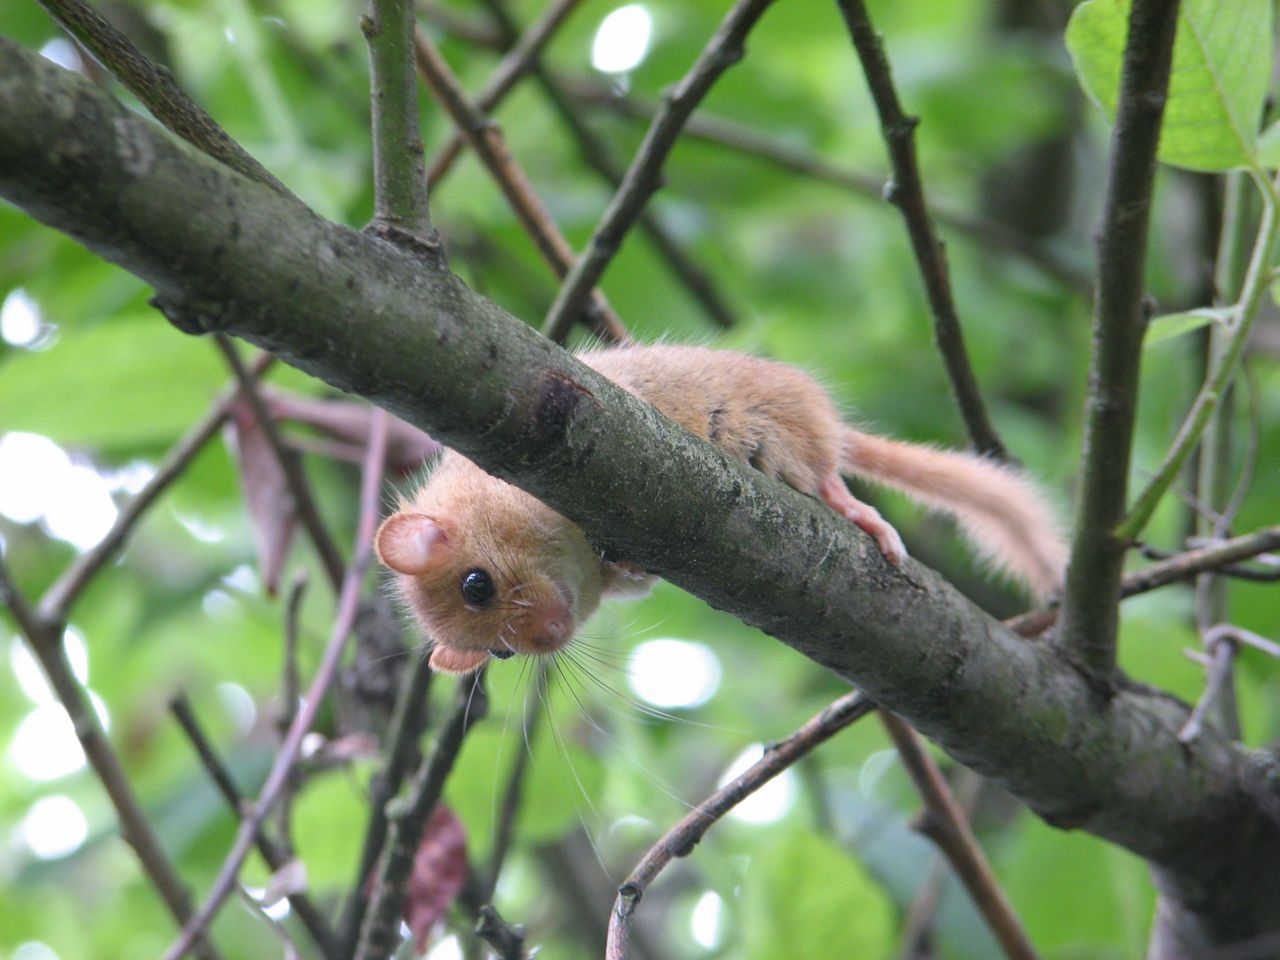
557,406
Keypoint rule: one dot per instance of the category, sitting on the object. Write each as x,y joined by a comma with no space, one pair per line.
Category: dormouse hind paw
837,496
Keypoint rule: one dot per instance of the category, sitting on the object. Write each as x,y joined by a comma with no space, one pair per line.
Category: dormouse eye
478,588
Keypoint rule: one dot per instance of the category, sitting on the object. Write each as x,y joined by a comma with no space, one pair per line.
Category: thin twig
1090,607
1221,370
595,151
476,31
1222,656
490,146
156,89
948,827
644,176
299,487
1269,562
507,939
277,856
746,140
520,59
1213,556
680,840
348,603
916,940
906,192
514,790
1180,566
57,601
399,168
44,636
402,753
380,932
289,694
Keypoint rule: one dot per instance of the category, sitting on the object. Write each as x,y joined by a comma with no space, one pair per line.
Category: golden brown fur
546,579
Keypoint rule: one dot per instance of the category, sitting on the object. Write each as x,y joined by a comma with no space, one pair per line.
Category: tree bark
392,324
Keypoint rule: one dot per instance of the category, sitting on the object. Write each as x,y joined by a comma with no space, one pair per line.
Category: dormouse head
488,569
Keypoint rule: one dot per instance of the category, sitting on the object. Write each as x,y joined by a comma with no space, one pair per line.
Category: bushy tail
1006,518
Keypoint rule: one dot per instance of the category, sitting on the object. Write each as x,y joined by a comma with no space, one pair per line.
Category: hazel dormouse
491,571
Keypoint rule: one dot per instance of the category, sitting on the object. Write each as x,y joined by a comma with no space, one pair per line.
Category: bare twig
520,59
916,940
399,168
156,89
680,840
348,601
515,781
1222,656
303,499
289,693
57,601
785,156
1221,370
276,855
906,192
644,176
507,939
44,636
1269,572
1180,566
490,146
475,30
595,152
947,826
380,931
402,753
1210,557
1090,608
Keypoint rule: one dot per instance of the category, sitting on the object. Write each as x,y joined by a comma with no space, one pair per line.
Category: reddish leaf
439,871
348,422
266,494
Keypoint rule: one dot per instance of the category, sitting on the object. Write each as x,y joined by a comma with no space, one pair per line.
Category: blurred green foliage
818,276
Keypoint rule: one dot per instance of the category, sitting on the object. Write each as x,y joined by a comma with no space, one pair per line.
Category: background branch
947,826
276,856
644,176
281,768
44,637
906,192
680,840
490,146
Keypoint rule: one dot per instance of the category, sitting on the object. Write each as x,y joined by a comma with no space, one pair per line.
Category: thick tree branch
1091,601
246,261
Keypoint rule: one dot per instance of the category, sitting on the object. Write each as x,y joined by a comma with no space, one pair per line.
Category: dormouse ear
452,660
407,542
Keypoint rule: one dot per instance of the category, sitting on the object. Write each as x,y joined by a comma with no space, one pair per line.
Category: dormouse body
491,571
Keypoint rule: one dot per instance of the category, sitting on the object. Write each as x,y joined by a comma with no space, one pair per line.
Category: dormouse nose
550,627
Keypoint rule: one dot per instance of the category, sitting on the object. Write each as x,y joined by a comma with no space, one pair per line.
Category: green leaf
1172,325
128,382
807,897
1221,67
